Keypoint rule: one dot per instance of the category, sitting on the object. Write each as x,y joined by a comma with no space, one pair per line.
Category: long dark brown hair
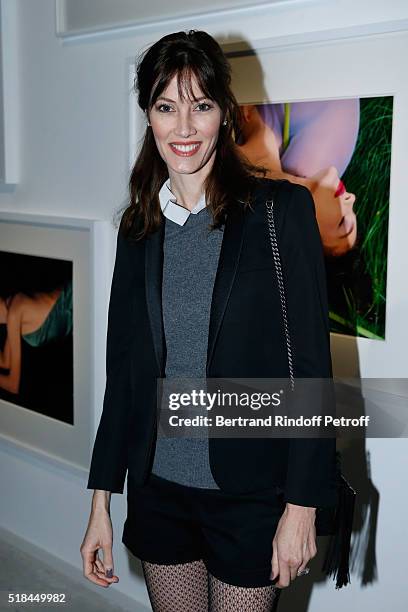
187,54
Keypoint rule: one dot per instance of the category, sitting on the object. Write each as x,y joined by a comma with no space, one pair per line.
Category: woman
194,301
333,124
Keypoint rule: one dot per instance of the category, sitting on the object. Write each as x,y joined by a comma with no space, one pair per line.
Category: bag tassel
337,556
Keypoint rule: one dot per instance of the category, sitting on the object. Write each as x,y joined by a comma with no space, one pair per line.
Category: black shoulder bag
336,522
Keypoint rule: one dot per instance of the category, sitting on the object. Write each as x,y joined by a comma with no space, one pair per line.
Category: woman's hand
294,543
99,534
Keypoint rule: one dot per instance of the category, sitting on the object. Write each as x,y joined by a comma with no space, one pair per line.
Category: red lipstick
185,149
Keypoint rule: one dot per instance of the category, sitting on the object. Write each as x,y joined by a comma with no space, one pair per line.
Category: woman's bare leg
182,587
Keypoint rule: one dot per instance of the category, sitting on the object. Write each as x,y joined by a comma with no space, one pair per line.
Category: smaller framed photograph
54,288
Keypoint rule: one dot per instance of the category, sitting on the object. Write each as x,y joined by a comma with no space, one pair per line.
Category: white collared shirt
174,211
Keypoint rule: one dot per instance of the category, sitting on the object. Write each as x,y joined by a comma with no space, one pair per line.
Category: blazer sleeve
109,457
311,471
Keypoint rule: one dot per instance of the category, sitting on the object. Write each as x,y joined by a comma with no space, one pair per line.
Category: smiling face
185,129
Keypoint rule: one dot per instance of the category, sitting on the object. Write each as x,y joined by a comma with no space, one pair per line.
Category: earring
224,122
148,123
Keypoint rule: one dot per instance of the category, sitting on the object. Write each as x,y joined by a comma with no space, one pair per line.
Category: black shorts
170,523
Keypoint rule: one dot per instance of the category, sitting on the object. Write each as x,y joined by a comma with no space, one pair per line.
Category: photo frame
261,77
84,242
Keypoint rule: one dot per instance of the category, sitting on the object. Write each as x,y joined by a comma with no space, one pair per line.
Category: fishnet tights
188,587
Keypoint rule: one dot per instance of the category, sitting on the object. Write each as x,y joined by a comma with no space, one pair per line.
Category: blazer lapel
227,266
153,284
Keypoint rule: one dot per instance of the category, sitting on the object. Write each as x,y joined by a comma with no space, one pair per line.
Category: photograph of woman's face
185,130
321,142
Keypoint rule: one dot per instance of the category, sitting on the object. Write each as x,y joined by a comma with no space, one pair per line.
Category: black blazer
246,339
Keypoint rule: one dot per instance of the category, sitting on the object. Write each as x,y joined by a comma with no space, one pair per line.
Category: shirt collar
174,211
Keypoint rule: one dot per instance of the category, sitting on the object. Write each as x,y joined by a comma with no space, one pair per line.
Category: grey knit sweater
191,253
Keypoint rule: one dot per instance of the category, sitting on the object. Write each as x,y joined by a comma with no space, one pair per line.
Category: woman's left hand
294,543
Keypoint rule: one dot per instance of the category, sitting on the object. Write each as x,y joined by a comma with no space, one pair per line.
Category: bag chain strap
276,258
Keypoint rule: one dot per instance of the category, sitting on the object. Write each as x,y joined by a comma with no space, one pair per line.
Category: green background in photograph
357,281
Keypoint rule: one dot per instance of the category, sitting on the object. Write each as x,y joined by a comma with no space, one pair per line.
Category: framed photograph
283,136
53,299
339,139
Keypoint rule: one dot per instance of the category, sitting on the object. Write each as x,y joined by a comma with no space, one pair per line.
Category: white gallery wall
72,104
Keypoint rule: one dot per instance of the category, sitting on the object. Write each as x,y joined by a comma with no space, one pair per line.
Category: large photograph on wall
54,292
36,334
341,150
